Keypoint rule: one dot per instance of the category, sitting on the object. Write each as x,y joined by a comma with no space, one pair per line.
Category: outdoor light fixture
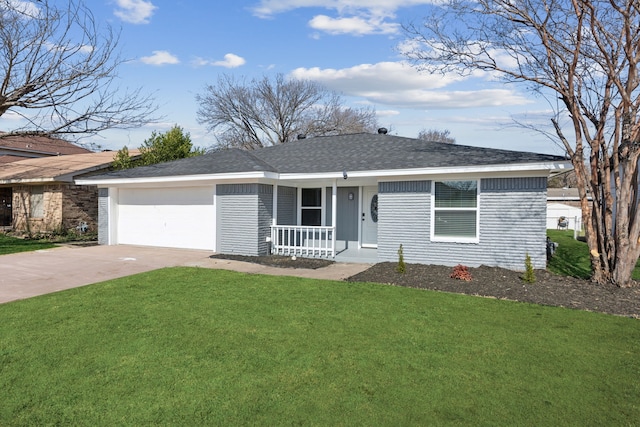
344,174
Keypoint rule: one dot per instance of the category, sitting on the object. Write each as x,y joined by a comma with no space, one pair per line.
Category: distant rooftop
19,146
56,168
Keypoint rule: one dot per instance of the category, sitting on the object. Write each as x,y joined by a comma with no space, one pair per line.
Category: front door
5,207
370,217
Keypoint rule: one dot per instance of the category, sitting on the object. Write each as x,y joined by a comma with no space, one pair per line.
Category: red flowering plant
461,272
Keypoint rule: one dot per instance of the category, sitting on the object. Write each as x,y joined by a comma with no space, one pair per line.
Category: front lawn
572,256
10,245
189,346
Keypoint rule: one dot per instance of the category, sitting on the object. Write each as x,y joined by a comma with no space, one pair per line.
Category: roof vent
301,136
382,131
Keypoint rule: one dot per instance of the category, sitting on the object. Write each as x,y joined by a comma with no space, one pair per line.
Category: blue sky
351,46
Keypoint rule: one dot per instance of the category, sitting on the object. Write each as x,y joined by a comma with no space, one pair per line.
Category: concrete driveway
27,274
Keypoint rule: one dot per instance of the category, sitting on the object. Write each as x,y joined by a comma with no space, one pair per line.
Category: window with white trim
455,211
311,207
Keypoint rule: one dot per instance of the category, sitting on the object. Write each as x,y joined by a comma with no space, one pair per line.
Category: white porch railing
290,240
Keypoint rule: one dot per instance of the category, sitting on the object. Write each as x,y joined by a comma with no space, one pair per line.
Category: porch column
274,220
275,204
334,218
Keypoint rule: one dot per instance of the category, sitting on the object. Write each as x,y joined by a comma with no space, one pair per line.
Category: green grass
10,245
572,256
189,346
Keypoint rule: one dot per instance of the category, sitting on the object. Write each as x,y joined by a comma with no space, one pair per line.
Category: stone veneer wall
80,205
66,206
52,215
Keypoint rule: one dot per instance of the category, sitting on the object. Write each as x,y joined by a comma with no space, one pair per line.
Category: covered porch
318,242
323,218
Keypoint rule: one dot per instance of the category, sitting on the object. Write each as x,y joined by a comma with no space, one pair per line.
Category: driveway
27,274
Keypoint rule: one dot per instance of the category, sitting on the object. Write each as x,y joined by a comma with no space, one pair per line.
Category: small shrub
529,275
461,272
401,267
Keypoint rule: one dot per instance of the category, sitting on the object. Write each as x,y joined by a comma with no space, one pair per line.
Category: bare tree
585,54
58,71
434,135
271,111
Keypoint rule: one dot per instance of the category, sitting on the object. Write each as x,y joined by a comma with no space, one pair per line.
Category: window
311,207
36,202
455,211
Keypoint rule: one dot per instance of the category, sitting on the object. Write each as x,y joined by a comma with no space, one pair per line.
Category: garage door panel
175,217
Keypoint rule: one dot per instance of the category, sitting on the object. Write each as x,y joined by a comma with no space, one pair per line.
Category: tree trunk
624,264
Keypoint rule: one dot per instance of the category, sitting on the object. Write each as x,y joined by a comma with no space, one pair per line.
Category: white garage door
170,217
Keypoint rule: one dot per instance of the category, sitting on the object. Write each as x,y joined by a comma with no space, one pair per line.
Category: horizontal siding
507,235
403,218
265,215
287,205
512,224
103,216
238,218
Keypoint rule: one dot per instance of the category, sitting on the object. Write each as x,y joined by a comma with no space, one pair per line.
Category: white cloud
386,76
26,8
387,113
134,11
354,25
12,116
230,61
199,62
268,8
357,17
160,57
399,85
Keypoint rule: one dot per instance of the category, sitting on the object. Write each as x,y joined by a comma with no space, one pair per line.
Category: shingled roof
56,168
357,152
19,147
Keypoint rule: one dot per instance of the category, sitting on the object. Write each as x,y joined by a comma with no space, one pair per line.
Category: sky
175,48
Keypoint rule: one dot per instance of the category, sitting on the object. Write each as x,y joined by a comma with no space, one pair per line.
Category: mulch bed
548,289
279,261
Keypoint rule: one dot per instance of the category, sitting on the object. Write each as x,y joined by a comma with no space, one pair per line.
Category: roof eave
27,181
177,179
529,167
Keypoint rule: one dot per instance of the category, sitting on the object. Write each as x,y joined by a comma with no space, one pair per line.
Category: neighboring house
19,147
567,196
357,195
39,196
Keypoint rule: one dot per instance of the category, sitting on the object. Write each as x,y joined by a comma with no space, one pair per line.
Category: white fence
565,223
308,241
